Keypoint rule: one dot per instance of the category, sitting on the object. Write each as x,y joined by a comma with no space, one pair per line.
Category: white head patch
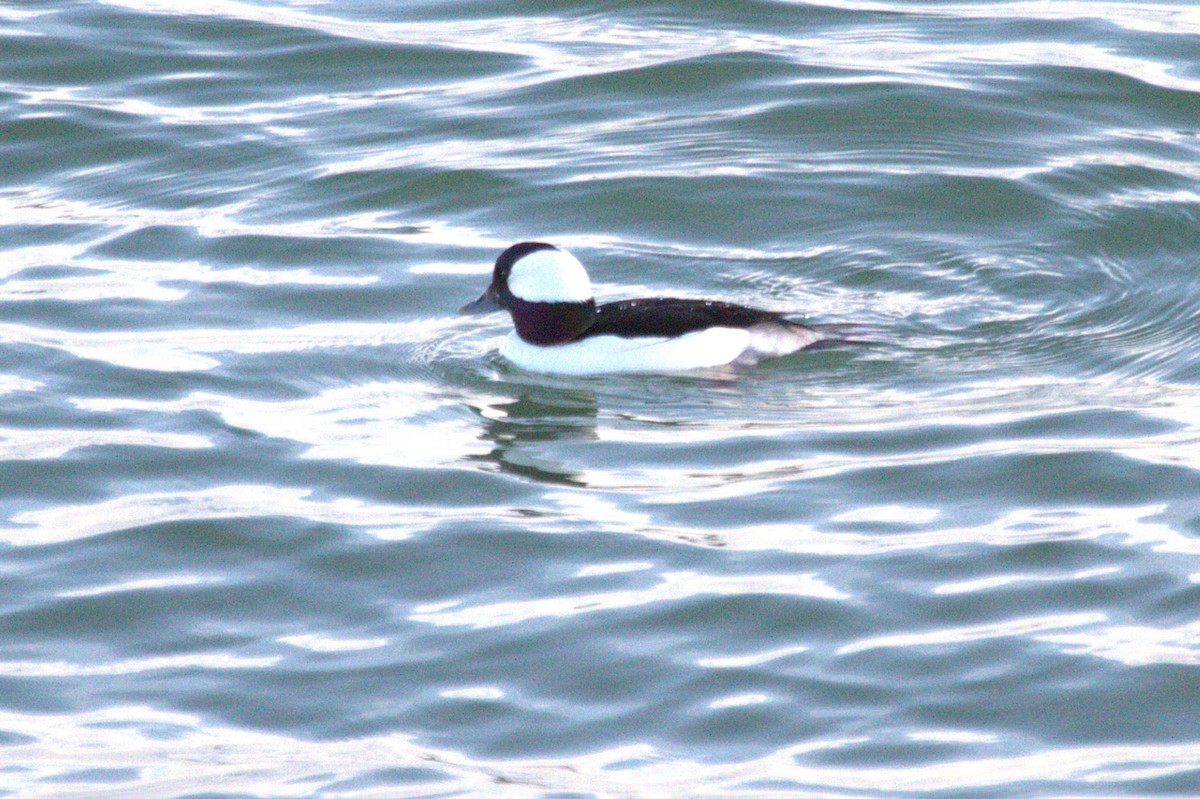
549,276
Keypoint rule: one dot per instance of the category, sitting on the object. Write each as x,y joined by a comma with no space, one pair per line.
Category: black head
498,297
549,296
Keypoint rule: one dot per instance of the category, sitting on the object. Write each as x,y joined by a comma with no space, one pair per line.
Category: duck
558,328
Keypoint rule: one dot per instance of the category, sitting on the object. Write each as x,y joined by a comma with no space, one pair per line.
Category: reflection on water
274,521
72,522
160,751
673,586
539,414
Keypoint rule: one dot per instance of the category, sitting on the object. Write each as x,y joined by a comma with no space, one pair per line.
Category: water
276,522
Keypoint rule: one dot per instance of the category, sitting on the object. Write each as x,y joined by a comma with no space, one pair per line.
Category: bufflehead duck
560,328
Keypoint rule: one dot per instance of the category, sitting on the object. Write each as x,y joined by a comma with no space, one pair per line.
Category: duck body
560,329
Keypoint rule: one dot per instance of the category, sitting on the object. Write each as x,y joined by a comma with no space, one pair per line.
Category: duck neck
547,323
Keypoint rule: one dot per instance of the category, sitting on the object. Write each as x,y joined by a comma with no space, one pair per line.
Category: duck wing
666,317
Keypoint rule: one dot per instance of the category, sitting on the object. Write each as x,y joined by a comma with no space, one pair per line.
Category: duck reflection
539,415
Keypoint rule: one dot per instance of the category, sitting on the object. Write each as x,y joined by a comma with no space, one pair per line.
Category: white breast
713,346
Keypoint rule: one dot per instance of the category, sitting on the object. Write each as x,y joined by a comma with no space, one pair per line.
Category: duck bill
485,304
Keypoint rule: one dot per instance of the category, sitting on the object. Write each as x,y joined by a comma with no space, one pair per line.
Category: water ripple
274,519
673,586
130,511
169,749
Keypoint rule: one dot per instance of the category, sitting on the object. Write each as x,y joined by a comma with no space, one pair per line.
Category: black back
671,316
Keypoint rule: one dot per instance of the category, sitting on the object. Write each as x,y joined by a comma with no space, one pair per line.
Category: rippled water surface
276,522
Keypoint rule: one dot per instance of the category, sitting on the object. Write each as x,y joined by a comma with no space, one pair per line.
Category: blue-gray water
275,522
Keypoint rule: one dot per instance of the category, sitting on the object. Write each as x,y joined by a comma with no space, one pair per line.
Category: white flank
774,339
549,276
714,346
